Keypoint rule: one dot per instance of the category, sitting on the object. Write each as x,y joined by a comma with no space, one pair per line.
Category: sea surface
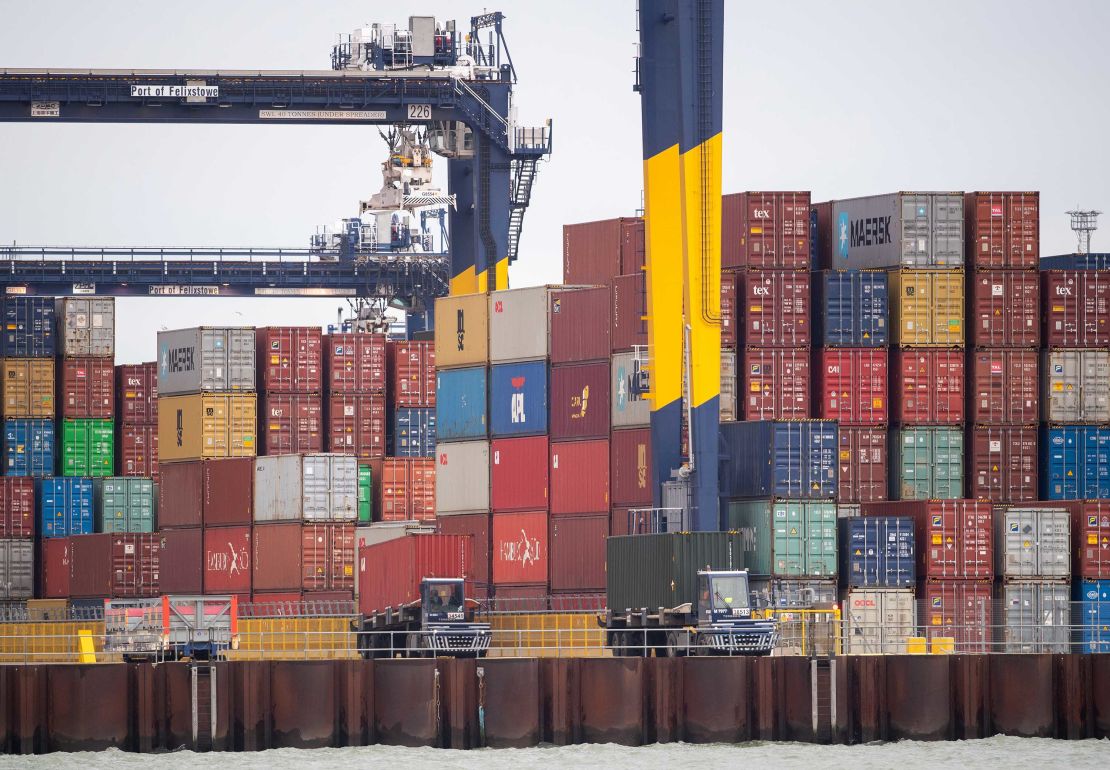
991,752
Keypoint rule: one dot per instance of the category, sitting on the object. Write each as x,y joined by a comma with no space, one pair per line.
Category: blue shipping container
461,407
518,399
1076,262
414,432
66,506
1075,463
852,308
783,458
29,448
28,327
1092,614
877,552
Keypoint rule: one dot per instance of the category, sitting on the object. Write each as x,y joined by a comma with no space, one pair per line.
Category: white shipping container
906,229
627,411
878,620
728,386
1032,543
462,478
206,359
518,323
1076,386
17,569
87,326
1032,616
309,487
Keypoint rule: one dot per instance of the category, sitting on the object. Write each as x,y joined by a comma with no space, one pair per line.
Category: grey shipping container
786,538
1076,386
927,464
462,477
905,229
878,620
519,324
728,386
87,326
793,594
1032,616
124,504
17,569
206,359
1032,543
309,487
653,571
627,411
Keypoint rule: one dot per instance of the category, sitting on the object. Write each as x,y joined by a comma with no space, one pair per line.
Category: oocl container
1032,542
414,432
1006,309
181,560
17,507
88,447
356,424
1002,463
1003,229
776,384
863,474
878,621
595,252
390,573
86,326
954,538
927,307
28,328
518,400
408,489
290,359
579,477
308,487
1074,462
206,426
1005,387
630,467
577,557
765,230
28,388
927,463
476,528
928,387
960,610
628,409
852,308
124,504
580,322
462,330
1077,386
518,474
519,548
1076,308
209,492
787,459
206,359
461,404
355,363
291,423
629,311
118,565
137,393
776,308
227,560
853,384
29,448
786,538
412,367
878,552
579,401
463,477
1033,616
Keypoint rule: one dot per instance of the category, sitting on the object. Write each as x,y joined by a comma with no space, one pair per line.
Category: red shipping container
1090,535
580,477
412,367
17,506
959,609
776,308
227,560
355,363
629,312
854,385
55,567
1002,464
863,465
1076,308
328,557
114,566
954,539
138,450
630,467
137,393
88,388
208,492
635,520
581,322
389,573
776,384
518,474
356,424
1005,309
1003,229
597,252
181,561
1005,387
476,527
928,387
765,230
519,548
579,400
577,558
290,359
408,489
729,332
534,597
291,423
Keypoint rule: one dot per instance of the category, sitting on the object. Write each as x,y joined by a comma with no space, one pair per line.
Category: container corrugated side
786,538
577,553
927,308
181,561
519,474
580,321
579,400
519,548
518,399
463,477
627,409
630,467
476,528
462,330
1076,386
518,324
227,560
913,229
462,412
595,252
207,426
579,477
878,620
652,571
630,311
206,359
1033,617
787,459
390,572
927,463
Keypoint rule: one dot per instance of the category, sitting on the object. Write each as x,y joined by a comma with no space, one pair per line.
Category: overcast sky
842,98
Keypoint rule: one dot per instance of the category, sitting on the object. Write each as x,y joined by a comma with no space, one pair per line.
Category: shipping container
852,308
476,528
1005,387
788,459
954,539
119,565
124,505
137,393
462,411
1076,386
17,507
577,557
518,402
765,230
579,401
1074,462
1002,229
580,321
65,506
729,311
88,447
181,560
28,328
959,610
727,409
86,326
290,359
28,387
54,582
519,474
1076,308
1032,616
296,557
17,569
1005,309
1092,615
863,474
879,621
215,493
1073,261
1090,529
928,387
853,385
408,489
308,487
630,312
206,359
628,410
1032,543
776,308
652,571
463,477
227,560
630,467
384,531
29,448
596,252
366,492
412,373
390,573
414,432
357,424
462,330
786,538
579,477
776,384
519,548
519,324
291,423
206,426
877,552
927,463
137,450
1002,463
355,363
927,308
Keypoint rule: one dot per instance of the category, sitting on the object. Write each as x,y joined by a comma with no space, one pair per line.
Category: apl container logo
525,551
842,234
516,406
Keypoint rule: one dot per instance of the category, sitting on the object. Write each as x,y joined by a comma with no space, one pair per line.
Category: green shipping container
786,538
928,464
365,493
125,504
652,571
88,447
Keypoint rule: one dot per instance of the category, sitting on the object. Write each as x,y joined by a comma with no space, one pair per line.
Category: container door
947,464
789,540
915,230
1095,386
948,230
1054,544
241,360
344,488
820,539
315,489
898,620
948,308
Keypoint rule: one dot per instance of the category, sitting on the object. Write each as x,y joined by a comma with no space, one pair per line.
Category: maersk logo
842,234
622,388
175,360
870,231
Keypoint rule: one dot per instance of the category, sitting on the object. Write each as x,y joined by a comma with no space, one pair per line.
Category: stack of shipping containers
291,381
407,488
137,419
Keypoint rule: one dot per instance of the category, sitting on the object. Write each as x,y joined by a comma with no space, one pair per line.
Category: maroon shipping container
533,597
954,538
1005,309
581,322
960,609
208,492
618,522
928,387
356,424
389,573
291,423
1005,387
1076,308
579,400
629,312
476,527
181,561
630,467
518,474
519,548
580,477
776,384
412,367
853,385
1002,463
17,506
118,565
88,388
355,363
1090,535
863,464
54,581
1003,229
138,450
227,560
290,359
776,308
730,336
408,489
137,393
577,557
328,557
597,252
765,230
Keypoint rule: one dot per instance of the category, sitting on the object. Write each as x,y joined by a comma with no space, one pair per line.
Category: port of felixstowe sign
188,91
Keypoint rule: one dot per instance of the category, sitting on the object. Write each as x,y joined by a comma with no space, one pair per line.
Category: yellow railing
546,634
49,641
285,638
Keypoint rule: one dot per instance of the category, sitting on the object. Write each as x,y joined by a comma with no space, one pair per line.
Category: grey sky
842,98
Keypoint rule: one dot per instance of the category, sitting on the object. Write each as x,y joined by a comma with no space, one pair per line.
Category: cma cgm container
630,312
765,230
28,388
628,409
463,477
878,552
17,507
412,368
117,565
1076,386
137,450
227,560
1033,616
88,447
1074,461
776,384
853,385
215,493
927,463
579,401
290,359
596,252
414,432
1092,614
1002,463
291,423
1005,309
863,474
137,393
579,477
630,467
389,573
518,474
28,328
462,411
927,308
462,331
1005,387
356,424
1076,308
519,548
1002,229
17,569
518,398
1032,543
309,487
954,539
355,363
959,609
86,326
580,321
928,387
647,571
29,448
577,553
879,620
408,489
776,308
786,538
852,308
788,459
206,359
124,504
209,425
304,557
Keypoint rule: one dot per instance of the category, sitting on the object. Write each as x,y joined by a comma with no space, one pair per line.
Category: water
991,752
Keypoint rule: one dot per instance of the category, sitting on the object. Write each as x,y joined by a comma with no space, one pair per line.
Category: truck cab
447,623
726,621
